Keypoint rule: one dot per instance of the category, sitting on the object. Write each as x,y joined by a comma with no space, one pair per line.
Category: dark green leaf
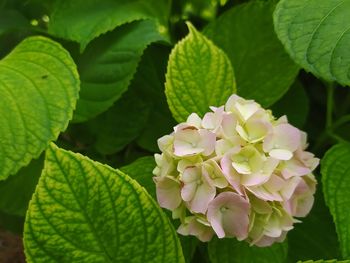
17,190
229,250
335,169
263,69
108,65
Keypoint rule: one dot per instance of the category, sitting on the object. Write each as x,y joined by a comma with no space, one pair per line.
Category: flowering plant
237,172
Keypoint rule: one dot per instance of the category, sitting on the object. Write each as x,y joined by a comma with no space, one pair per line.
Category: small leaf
84,20
17,190
108,65
335,169
263,69
233,251
83,211
199,75
39,87
316,34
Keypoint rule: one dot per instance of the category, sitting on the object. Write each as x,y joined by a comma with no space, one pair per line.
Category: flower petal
228,214
168,192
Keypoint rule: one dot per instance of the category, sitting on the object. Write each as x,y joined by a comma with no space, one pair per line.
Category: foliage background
121,49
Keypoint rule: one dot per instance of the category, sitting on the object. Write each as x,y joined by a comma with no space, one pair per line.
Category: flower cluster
238,172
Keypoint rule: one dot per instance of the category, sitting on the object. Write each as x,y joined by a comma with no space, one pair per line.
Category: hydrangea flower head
237,172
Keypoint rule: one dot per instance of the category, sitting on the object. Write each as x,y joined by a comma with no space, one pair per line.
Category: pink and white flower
238,172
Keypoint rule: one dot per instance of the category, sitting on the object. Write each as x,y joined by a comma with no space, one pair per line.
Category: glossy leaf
84,20
199,75
263,70
108,65
83,211
39,87
335,169
316,34
231,251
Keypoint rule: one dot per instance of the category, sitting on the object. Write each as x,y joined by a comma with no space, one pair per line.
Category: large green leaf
39,87
263,69
230,250
17,190
108,65
83,211
199,75
335,169
84,20
316,34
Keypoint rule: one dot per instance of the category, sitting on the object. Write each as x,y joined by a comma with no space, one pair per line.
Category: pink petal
168,192
228,214
207,142
186,142
281,154
283,137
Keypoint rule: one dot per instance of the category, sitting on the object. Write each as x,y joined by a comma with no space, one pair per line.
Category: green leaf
84,20
11,20
121,124
141,171
17,190
199,75
306,240
39,87
335,169
189,245
149,80
263,70
108,65
83,211
316,35
325,261
296,95
229,250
